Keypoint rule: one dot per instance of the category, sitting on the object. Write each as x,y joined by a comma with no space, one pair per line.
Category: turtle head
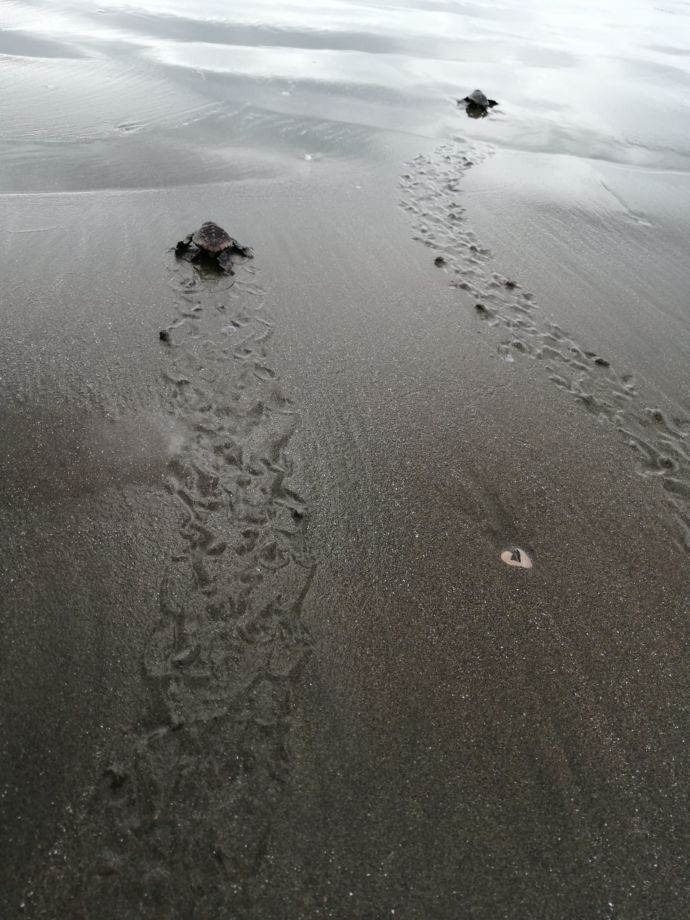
475,111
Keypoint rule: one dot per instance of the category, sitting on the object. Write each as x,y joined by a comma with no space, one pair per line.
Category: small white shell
516,556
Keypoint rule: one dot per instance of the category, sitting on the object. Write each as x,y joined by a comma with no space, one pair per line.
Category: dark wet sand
260,656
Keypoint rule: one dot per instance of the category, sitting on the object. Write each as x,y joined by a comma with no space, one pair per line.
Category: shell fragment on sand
517,557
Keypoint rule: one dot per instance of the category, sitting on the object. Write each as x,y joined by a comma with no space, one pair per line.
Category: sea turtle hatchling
214,243
477,104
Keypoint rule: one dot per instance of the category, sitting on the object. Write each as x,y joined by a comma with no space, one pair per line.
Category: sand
261,654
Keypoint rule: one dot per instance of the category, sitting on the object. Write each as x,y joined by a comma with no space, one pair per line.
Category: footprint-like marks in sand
432,196
177,824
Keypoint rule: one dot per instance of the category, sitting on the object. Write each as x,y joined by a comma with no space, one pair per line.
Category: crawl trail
432,195
176,825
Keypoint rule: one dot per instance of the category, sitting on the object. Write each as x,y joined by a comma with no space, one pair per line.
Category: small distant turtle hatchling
212,241
477,104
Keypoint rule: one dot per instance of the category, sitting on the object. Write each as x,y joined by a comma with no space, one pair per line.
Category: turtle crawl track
432,195
176,825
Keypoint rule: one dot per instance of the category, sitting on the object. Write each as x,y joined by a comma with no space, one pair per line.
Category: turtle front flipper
245,251
492,102
183,245
224,260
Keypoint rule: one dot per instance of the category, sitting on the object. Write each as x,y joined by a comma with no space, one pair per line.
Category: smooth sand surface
261,656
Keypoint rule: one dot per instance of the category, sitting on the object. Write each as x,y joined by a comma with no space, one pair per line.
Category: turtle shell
212,238
479,98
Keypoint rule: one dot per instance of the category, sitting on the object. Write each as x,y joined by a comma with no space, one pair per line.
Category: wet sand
261,656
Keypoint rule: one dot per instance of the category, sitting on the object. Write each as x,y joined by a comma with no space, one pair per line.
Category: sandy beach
260,654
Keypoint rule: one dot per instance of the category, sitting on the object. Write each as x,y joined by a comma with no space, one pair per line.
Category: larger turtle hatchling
214,243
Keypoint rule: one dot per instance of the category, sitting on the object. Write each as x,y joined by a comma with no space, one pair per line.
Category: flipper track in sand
432,195
176,826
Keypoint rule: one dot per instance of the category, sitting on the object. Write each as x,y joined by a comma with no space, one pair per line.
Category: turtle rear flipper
492,102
